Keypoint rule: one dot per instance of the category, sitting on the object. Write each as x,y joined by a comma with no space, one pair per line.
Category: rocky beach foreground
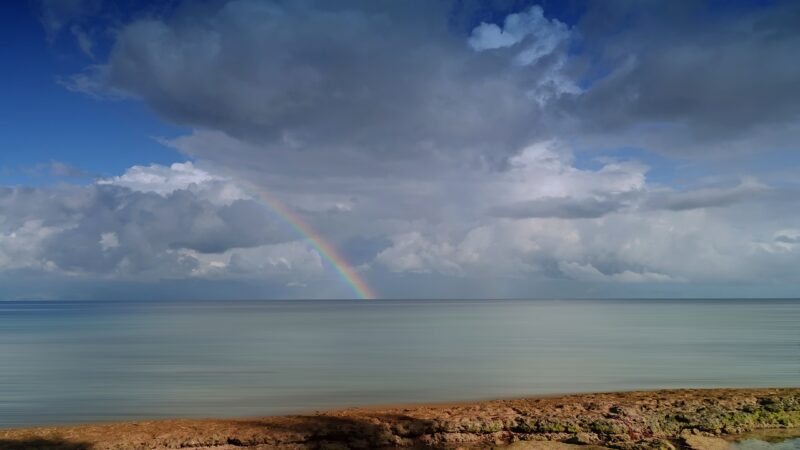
685,418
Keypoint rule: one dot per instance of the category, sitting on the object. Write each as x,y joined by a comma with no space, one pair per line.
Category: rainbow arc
326,250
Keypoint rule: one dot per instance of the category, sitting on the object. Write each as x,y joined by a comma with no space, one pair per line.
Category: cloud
368,88
541,37
511,148
708,197
285,261
587,272
542,181
164,180
358,87
19,246
109,241
791,237
686,83
61,169
84,41
560,207
412,252
606,202
658,247
785,241
531,24
182,221
57,14
151,232
152,221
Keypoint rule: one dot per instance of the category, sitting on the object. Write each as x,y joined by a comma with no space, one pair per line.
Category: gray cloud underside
143,230
707,198
562,208
675,79
594,207
380,84
357,87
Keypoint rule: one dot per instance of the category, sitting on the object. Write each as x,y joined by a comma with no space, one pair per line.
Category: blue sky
43,121
466,148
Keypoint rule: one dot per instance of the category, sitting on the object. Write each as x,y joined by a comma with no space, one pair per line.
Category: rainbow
343,269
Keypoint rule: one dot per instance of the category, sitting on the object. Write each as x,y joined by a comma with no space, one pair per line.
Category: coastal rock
583,438
695,442
657,420
541,445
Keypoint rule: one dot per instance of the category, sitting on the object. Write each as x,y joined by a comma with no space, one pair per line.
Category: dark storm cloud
690,73
362,80
369,86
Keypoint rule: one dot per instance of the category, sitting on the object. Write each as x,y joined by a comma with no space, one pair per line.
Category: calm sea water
69,362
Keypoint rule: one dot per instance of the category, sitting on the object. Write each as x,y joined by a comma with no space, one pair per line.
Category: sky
239,149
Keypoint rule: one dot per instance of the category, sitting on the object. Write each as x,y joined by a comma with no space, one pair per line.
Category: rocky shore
667,419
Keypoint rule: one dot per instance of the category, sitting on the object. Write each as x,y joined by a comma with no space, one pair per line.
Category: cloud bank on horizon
447,149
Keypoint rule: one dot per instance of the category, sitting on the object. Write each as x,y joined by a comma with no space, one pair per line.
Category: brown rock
585,439
627,421
696,442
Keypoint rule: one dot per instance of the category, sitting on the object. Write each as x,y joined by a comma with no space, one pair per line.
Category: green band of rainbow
343,269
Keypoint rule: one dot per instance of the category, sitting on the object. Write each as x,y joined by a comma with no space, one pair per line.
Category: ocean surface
72,362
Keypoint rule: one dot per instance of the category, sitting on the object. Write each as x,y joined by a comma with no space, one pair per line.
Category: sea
94,361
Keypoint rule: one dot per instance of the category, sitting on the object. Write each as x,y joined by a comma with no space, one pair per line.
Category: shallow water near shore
756,444
71,362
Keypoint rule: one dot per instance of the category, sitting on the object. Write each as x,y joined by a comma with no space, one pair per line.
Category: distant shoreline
664,419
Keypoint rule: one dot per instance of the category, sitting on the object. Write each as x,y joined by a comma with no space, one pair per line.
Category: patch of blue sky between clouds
43,122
